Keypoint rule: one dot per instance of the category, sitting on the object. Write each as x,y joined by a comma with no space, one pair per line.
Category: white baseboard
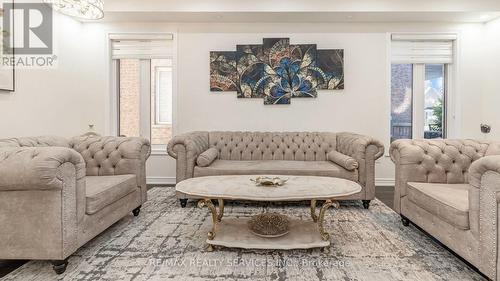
160,180
385,182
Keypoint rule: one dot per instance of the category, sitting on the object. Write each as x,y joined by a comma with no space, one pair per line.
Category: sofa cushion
343,160
275,167
449,202
207,157
102,191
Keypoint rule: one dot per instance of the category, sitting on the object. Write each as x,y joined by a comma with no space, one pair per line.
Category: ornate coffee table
233,232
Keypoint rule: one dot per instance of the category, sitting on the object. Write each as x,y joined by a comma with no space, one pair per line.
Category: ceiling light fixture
81,9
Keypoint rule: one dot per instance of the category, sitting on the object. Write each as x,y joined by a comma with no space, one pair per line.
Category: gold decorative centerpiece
268,181
269,225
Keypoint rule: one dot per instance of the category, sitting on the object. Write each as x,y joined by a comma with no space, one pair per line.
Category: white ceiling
465,17
302,5
301,10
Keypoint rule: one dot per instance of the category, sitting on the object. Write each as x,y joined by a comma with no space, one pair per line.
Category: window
434,100
129,97
401,101
163,95
419,79
161,101
143,75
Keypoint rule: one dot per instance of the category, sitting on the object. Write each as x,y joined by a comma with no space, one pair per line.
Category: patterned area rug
167,242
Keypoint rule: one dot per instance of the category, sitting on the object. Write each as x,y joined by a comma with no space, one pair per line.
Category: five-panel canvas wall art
277,71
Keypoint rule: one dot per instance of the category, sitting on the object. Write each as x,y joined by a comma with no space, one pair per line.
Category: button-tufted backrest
42,141
107,156
443,161
299,146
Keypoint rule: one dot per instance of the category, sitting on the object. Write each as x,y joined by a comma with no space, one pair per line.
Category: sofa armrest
185,149
37,168
408,157
365,150
484,177
42,193
107,156
356,145
478,168
193,142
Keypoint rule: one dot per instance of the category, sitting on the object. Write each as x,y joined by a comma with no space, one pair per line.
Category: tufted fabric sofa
283,153
451,189
57,194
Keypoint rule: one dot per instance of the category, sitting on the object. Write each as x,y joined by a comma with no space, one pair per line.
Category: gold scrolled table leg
328,203
313,211
215,217
221,210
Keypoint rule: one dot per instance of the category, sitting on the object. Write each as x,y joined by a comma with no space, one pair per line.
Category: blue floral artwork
277,71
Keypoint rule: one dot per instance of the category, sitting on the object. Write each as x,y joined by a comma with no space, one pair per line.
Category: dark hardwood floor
7,266
383,193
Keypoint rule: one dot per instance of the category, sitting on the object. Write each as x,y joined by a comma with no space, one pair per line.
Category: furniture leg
405,221
328,203
208,203
183,202
210,248
136,211
59,266
313,210
366,204
221,210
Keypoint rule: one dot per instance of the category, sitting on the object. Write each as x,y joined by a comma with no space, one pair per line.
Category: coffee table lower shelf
234,233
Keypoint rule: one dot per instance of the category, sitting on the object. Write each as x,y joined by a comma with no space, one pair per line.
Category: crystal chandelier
82,9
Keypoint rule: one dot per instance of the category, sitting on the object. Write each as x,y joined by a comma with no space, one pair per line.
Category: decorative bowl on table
268,181
269,225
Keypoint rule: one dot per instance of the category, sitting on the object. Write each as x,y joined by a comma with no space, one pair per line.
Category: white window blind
141,46
422,48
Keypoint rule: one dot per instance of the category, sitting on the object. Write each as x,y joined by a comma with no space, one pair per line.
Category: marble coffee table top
240,187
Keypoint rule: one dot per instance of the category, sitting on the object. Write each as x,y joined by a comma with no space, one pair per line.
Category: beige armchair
57,194
451,189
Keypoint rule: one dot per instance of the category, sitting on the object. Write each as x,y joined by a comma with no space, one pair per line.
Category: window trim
145,98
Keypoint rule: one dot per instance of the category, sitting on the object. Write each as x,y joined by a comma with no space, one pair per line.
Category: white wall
331,111
76,94
491,92
57,101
